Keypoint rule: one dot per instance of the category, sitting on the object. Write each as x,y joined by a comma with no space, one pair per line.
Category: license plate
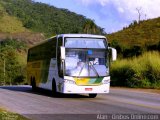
88,89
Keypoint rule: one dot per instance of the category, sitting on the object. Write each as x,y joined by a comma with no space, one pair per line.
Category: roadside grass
5,115
138,72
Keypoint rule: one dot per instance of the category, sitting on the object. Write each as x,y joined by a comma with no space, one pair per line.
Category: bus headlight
106,81
69,81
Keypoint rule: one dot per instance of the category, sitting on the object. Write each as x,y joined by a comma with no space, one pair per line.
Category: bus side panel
50,75
53,75
44,70
39,62
34,71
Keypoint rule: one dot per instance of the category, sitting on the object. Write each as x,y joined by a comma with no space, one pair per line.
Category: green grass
142,71
5,115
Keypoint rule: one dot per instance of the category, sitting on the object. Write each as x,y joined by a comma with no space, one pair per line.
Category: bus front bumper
73,88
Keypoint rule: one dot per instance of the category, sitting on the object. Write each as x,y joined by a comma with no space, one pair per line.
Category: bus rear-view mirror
62,53
114,53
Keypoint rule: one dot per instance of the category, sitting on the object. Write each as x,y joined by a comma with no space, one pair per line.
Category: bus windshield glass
86,62
85,43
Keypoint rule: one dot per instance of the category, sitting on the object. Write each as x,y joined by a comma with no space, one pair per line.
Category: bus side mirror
63,53
114,53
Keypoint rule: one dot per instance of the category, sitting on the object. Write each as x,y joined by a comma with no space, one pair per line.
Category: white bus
71,63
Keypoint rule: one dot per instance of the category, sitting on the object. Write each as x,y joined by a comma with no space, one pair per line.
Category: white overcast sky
112,15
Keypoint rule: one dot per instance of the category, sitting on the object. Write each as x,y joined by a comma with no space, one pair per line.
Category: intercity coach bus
71,63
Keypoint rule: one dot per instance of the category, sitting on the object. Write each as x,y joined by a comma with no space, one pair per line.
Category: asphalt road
41,105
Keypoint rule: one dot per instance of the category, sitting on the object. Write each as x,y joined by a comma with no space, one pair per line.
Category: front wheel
33,84
92,95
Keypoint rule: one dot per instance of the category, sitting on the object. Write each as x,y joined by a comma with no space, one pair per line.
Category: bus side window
60,41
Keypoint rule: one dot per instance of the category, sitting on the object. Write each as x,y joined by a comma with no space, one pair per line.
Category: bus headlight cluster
69,81
106,81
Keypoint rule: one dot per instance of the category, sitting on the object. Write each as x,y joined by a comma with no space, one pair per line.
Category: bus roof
81,35
70,35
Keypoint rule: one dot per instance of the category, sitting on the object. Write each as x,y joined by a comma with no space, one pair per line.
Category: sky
112,15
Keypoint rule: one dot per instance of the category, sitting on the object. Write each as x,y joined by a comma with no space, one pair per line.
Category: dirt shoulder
157,91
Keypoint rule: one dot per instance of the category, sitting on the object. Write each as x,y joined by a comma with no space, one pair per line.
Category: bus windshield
86,63
99,43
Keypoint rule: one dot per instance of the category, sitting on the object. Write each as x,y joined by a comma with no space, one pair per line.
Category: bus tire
33,83
54,90
92,95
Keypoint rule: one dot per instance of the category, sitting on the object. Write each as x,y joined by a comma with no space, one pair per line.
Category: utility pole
4,71
4,67
139,13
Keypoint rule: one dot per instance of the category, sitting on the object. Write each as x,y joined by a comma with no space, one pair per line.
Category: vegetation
5,115
91,28
138,64
137,38
142,34
142,71
12,63
10,24
47,19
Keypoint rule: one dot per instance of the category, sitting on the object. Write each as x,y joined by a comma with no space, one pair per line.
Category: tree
91,28
13,61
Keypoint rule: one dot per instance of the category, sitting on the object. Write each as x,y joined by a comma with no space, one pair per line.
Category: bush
152,73
19,79
124,74
133,51
142,71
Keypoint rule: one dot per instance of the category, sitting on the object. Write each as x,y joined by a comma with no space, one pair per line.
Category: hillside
137,38
9,24
138,63
32,22
39,17
12,27
144,33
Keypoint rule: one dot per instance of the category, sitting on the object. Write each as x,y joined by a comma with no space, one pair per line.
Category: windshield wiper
81,70
94,69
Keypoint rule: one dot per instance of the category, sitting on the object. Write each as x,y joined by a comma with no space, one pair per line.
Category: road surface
41,105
